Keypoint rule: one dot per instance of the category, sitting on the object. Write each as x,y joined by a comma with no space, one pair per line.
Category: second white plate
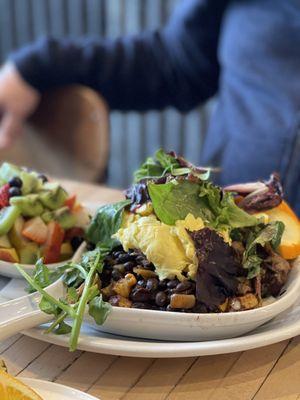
54,391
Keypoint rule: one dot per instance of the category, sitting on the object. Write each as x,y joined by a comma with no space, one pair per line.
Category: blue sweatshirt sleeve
175,66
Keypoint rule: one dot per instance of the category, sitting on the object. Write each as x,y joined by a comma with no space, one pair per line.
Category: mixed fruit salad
178,242
38,218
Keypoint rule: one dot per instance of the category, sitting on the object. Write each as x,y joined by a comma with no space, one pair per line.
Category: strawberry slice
36,230
73,232
4,195
70,202
53,243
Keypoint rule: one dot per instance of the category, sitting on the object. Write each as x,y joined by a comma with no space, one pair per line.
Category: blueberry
14,191
76,242
43,178
15,182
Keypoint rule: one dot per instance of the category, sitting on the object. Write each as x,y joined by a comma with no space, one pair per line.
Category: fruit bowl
8,269
38,219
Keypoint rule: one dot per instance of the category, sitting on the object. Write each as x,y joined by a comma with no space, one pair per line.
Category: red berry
4,195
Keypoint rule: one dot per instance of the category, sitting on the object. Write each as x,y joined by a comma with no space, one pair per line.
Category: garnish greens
106,222
163,163
73,305
79,278
261,236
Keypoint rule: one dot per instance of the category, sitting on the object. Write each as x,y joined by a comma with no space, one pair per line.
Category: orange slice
290,242
12,389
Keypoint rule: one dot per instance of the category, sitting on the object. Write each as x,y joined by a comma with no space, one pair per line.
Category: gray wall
133,136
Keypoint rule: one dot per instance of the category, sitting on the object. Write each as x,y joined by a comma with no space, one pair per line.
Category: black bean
76,242
122,258
140,259
163,284
140,294
141,283
148,265
129,265
161,299
116,275
117,253
183,286
172,284
15,182
119,267
152,284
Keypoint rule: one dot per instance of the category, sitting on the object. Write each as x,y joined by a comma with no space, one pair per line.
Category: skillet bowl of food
183,259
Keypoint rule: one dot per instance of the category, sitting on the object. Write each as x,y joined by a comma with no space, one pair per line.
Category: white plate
9,270
284,326
54,391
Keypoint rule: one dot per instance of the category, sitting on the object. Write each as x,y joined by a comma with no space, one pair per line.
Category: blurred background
132,136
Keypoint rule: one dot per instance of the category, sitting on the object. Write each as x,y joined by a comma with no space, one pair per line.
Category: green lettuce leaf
225,211
261,235
105,223
176,199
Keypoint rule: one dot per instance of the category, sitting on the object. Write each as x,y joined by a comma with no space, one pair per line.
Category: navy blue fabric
245,51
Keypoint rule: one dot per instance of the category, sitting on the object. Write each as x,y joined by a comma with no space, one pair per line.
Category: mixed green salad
38,218
177,242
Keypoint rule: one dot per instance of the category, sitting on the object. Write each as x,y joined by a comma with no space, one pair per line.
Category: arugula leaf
262,235
93,262
63,328
44,277
105,223
149,169
157,166
167,161
72,305
99,309
48,307
72,295
176,199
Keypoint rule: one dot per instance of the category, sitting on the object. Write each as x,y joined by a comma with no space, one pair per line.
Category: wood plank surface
269,373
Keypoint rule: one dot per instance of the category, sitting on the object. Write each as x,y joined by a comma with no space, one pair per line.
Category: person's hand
17,101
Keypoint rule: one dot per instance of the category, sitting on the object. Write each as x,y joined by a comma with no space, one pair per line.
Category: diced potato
185,301
248,301
223,306
145,273
124,285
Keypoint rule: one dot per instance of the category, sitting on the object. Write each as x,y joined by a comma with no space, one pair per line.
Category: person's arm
175,66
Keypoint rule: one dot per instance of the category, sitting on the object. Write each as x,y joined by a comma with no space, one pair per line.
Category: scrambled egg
169,248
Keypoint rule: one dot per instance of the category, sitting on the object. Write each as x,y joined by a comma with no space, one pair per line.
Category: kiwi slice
8,216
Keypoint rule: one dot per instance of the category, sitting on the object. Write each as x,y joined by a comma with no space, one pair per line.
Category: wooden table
267,373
